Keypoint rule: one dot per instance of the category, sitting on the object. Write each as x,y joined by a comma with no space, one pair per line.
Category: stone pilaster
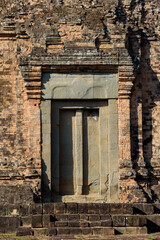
125,85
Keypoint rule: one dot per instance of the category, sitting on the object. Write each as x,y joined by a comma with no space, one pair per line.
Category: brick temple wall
34,28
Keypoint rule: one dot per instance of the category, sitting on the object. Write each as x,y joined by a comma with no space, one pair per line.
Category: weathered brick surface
124,34
15,197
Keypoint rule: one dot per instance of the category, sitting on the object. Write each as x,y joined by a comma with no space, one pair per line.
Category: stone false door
79,147
79,137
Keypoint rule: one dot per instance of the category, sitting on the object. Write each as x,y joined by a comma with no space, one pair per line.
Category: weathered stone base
84,219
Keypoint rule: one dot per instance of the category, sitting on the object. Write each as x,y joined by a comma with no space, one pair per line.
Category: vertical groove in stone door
103,144
66,158
91,174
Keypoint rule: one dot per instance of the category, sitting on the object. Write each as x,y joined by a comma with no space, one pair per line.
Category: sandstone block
74,224
40,231
75,231
37,221
46,220
127,208
106,223
93,208
48,208
3,210
24,210
86,230
36,208
24,231
97,231
153,223
63,231
82,208
61,217
26,221
61,223
95,224
73,217
94,217
131,230
51,231
72,208
157,208
108,231
9,224
143,208
132,221
104,208
105,217
59,208
116,208
119,221
84,217
84,224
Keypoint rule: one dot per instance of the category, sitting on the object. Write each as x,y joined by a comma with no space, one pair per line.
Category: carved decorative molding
77,60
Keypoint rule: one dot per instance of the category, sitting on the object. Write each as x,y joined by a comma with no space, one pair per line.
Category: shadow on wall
145,92
46,192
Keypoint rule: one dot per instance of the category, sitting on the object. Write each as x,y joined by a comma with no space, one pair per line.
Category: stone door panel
79,135
66,156
91,154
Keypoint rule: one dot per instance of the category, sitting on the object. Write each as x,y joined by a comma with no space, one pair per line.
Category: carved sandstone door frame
32,69
89,87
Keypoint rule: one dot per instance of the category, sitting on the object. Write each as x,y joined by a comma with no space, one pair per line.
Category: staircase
84,219
94,219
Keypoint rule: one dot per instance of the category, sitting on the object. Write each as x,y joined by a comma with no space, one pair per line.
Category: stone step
84,208
80,231
93,217
72,217
83,223
84,216
152,222
80,208
125,223
129,220
75,217
130,230
98,208
115,220
101,231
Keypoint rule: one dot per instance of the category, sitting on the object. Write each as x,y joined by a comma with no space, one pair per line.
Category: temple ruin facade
80,101
80,116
